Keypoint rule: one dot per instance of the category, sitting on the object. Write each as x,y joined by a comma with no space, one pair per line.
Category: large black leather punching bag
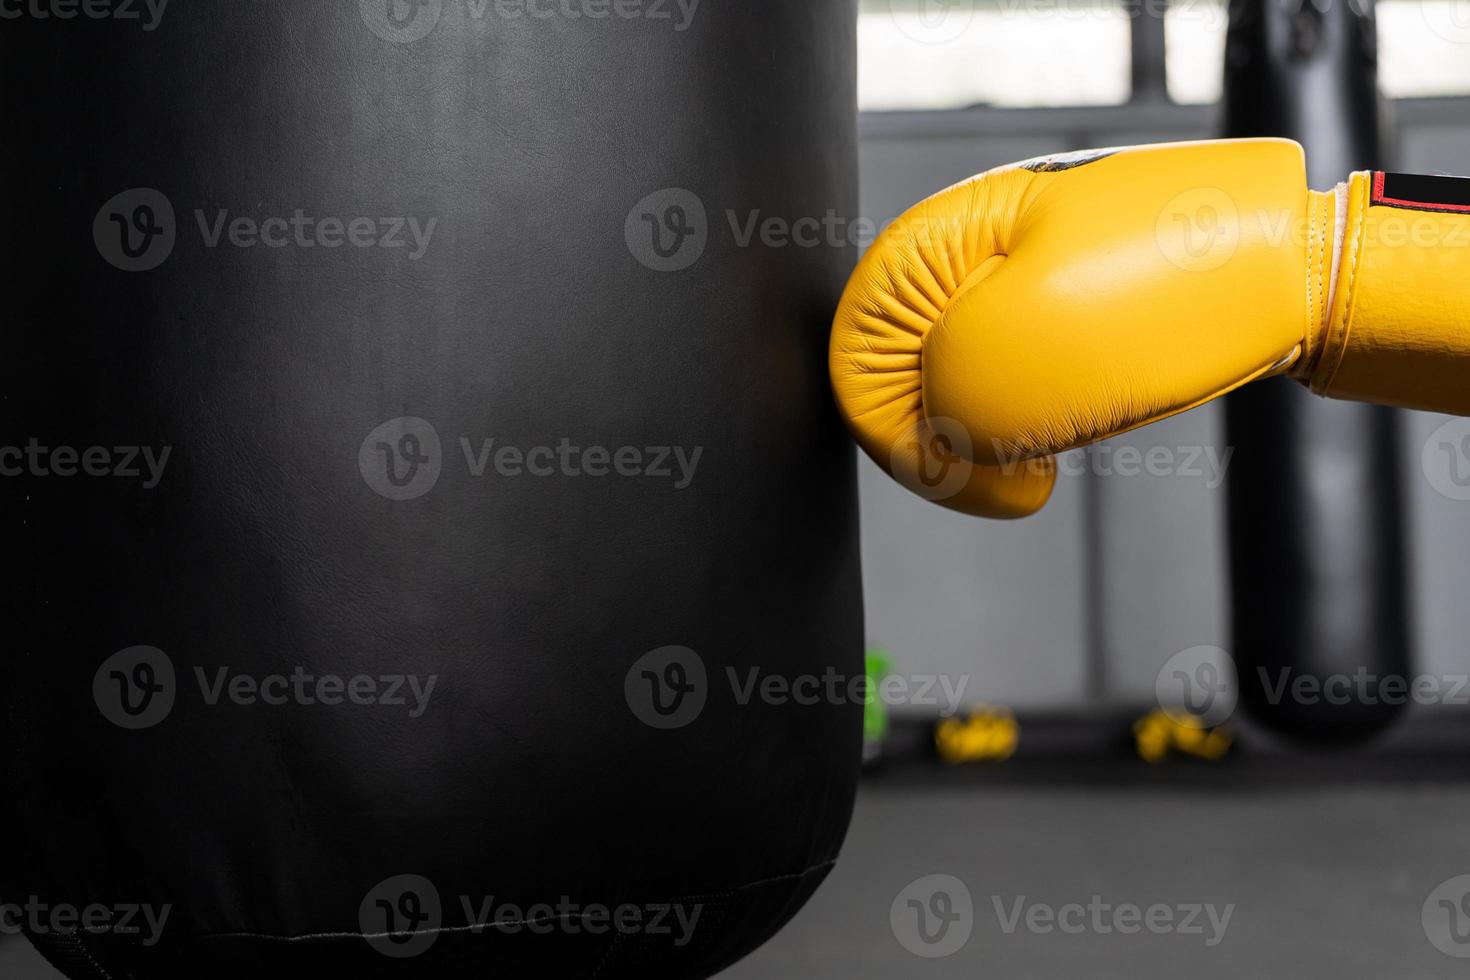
407,468
1316,516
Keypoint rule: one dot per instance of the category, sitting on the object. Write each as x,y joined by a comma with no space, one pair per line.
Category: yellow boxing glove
1048,304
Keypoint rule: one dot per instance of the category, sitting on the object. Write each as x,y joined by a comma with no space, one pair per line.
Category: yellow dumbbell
987,735
1160,733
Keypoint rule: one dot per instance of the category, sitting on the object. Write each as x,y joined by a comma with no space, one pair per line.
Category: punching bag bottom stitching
69,954
450,930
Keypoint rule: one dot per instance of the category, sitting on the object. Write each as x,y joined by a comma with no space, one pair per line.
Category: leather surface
1041,306
1044,305
905,282
264,548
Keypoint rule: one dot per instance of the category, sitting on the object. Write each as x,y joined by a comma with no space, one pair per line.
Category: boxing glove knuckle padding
1044,305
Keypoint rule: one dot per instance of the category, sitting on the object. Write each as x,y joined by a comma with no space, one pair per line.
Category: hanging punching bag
1316,528
403,460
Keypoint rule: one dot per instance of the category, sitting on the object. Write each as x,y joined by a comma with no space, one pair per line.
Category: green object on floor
875,712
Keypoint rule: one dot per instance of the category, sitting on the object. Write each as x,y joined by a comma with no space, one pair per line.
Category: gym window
950,54
1423,49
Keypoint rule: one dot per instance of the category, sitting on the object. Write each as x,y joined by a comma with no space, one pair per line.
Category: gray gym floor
1324,882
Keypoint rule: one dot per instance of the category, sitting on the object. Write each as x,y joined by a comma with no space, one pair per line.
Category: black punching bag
1316,525
404,459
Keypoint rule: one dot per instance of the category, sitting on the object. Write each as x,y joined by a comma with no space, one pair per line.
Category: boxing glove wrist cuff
1321,244
1339,228
1397,329
1334,253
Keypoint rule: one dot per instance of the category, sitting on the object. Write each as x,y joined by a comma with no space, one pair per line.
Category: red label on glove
1421,192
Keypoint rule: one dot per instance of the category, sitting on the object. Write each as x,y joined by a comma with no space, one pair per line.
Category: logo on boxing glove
135,688
933,917
402,916
667,688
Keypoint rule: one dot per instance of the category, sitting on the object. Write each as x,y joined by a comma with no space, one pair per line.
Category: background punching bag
404,461
1316,537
